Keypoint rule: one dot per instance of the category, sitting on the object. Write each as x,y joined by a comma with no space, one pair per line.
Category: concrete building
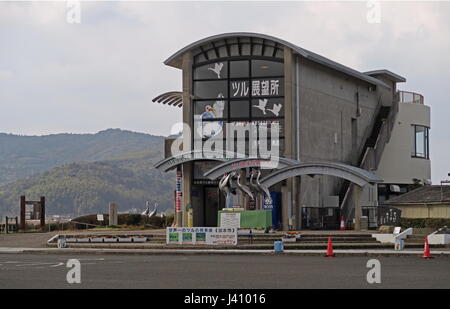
342,131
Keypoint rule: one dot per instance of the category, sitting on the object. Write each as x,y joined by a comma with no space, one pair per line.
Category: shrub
131,219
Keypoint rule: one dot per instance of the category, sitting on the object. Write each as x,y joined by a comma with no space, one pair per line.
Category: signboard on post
178,192
230,220
201,236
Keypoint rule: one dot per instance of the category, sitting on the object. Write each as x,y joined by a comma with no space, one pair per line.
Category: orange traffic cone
330,249
342,224
426,250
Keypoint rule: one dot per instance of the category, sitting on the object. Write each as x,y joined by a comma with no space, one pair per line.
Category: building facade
306,108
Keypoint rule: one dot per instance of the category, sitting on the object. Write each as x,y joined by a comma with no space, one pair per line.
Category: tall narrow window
420,145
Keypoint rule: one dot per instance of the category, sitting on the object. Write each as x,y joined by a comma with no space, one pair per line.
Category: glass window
239,109
216,70
239,92
210,109
267,68
239,68
420,147
210,89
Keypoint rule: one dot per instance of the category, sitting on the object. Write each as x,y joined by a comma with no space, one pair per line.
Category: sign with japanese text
178,192
232,219
201,236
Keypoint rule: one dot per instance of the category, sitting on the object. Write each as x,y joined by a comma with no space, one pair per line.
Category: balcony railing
410,97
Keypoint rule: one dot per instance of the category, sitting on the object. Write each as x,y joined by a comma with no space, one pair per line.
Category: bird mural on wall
208,113
217,68
262,105
212,128
275,109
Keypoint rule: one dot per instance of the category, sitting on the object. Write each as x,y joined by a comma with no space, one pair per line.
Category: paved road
219,271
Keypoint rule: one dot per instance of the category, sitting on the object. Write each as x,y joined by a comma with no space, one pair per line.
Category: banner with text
201,236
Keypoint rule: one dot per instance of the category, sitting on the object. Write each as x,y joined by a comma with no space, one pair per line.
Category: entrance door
211,205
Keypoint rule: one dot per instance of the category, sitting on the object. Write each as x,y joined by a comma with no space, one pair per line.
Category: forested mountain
82,173
87,188
23,156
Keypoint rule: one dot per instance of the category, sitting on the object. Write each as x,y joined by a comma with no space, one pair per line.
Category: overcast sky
102,73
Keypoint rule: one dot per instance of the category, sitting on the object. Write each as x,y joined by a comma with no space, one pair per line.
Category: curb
338,253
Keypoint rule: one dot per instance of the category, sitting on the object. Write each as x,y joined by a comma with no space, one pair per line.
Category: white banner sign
201,236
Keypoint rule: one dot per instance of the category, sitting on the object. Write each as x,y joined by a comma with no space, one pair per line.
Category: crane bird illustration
217,68
275,109
262,105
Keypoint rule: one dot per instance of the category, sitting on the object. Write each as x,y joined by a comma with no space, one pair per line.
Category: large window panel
210,89
266,68
239,69
210,109
241,92
239,109
216,70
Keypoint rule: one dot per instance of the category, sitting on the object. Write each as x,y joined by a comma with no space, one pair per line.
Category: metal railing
410,97
381,215
372,155
321,218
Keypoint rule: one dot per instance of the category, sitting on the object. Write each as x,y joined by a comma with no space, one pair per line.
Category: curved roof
175,59
354,174
236,164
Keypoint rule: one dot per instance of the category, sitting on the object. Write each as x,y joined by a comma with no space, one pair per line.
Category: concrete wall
396,165
329,100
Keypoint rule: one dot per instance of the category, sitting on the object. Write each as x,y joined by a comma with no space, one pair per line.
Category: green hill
85,188
23,156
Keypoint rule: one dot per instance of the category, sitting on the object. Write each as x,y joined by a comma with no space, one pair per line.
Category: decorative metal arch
170,98
236,164
354,174
195,155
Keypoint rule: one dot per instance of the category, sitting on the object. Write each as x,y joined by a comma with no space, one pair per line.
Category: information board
232,219
201,236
